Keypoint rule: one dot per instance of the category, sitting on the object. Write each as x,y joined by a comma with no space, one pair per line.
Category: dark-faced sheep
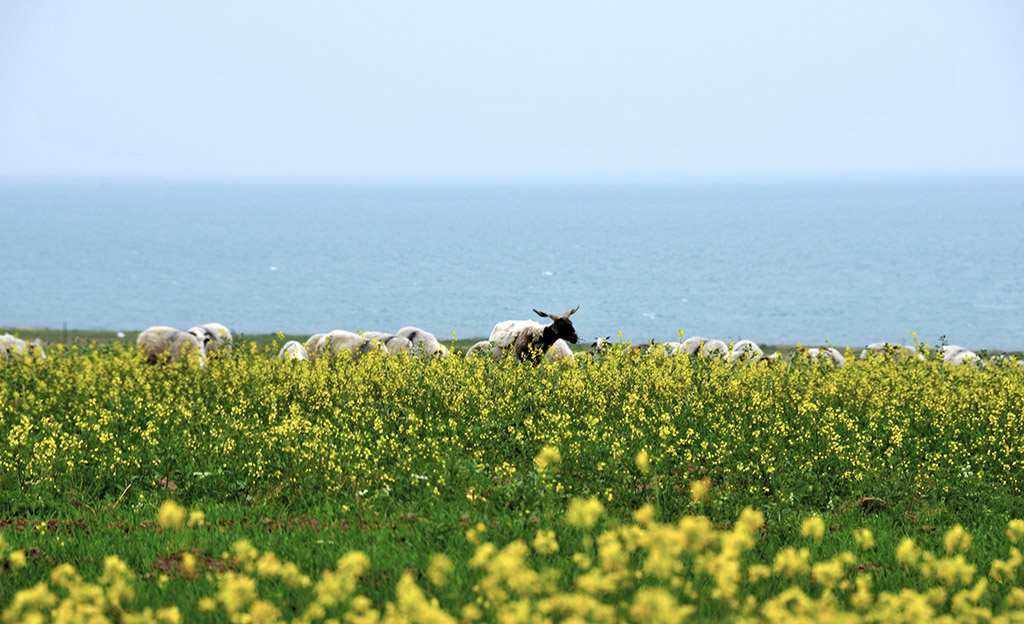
217,338
530,339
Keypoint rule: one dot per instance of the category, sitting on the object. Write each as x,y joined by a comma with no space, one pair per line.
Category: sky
530,88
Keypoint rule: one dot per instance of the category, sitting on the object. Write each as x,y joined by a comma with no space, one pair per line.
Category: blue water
777,262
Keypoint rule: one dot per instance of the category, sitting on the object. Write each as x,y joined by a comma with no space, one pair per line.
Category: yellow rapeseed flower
545,543
790,561
207,604
907,552
440,569
957,539
699,490
656,605
1015,530
17,559
548,458
171,515
813,527
643,461
864,538
583,514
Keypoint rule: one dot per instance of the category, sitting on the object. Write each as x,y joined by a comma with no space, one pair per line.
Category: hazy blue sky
523,88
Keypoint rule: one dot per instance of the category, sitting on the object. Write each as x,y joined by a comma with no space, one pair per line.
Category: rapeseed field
622,487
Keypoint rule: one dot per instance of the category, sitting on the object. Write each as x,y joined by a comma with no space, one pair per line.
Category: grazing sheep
340,340
480,348
671,348
831,353
394,343
704,346
560,352
523,336
293,350
956,355
218,338
423,342
745,350
159,340
315,344
898,352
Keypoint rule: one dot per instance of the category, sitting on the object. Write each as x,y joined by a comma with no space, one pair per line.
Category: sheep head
560,327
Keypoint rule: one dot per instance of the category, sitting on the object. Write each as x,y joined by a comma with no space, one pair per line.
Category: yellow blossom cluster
641,571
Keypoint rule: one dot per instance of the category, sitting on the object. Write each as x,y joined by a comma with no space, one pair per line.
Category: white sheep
560,352
956,355
218,338
671,348
423,342
12,346
831,353
522,336
167,342
340,340
293,350
315,344
897,352
394,343
479,348
745,350
704,346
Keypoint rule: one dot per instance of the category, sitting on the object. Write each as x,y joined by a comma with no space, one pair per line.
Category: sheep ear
545,314
571,312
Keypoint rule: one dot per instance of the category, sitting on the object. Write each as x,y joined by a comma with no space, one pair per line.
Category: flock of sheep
524,340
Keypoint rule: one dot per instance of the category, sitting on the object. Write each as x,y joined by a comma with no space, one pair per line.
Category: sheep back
158,340
480,348
560,352
423,342
315,344
506,334
394,343
340,340
293,350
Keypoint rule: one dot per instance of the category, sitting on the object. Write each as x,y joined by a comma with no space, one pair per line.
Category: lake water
776,262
